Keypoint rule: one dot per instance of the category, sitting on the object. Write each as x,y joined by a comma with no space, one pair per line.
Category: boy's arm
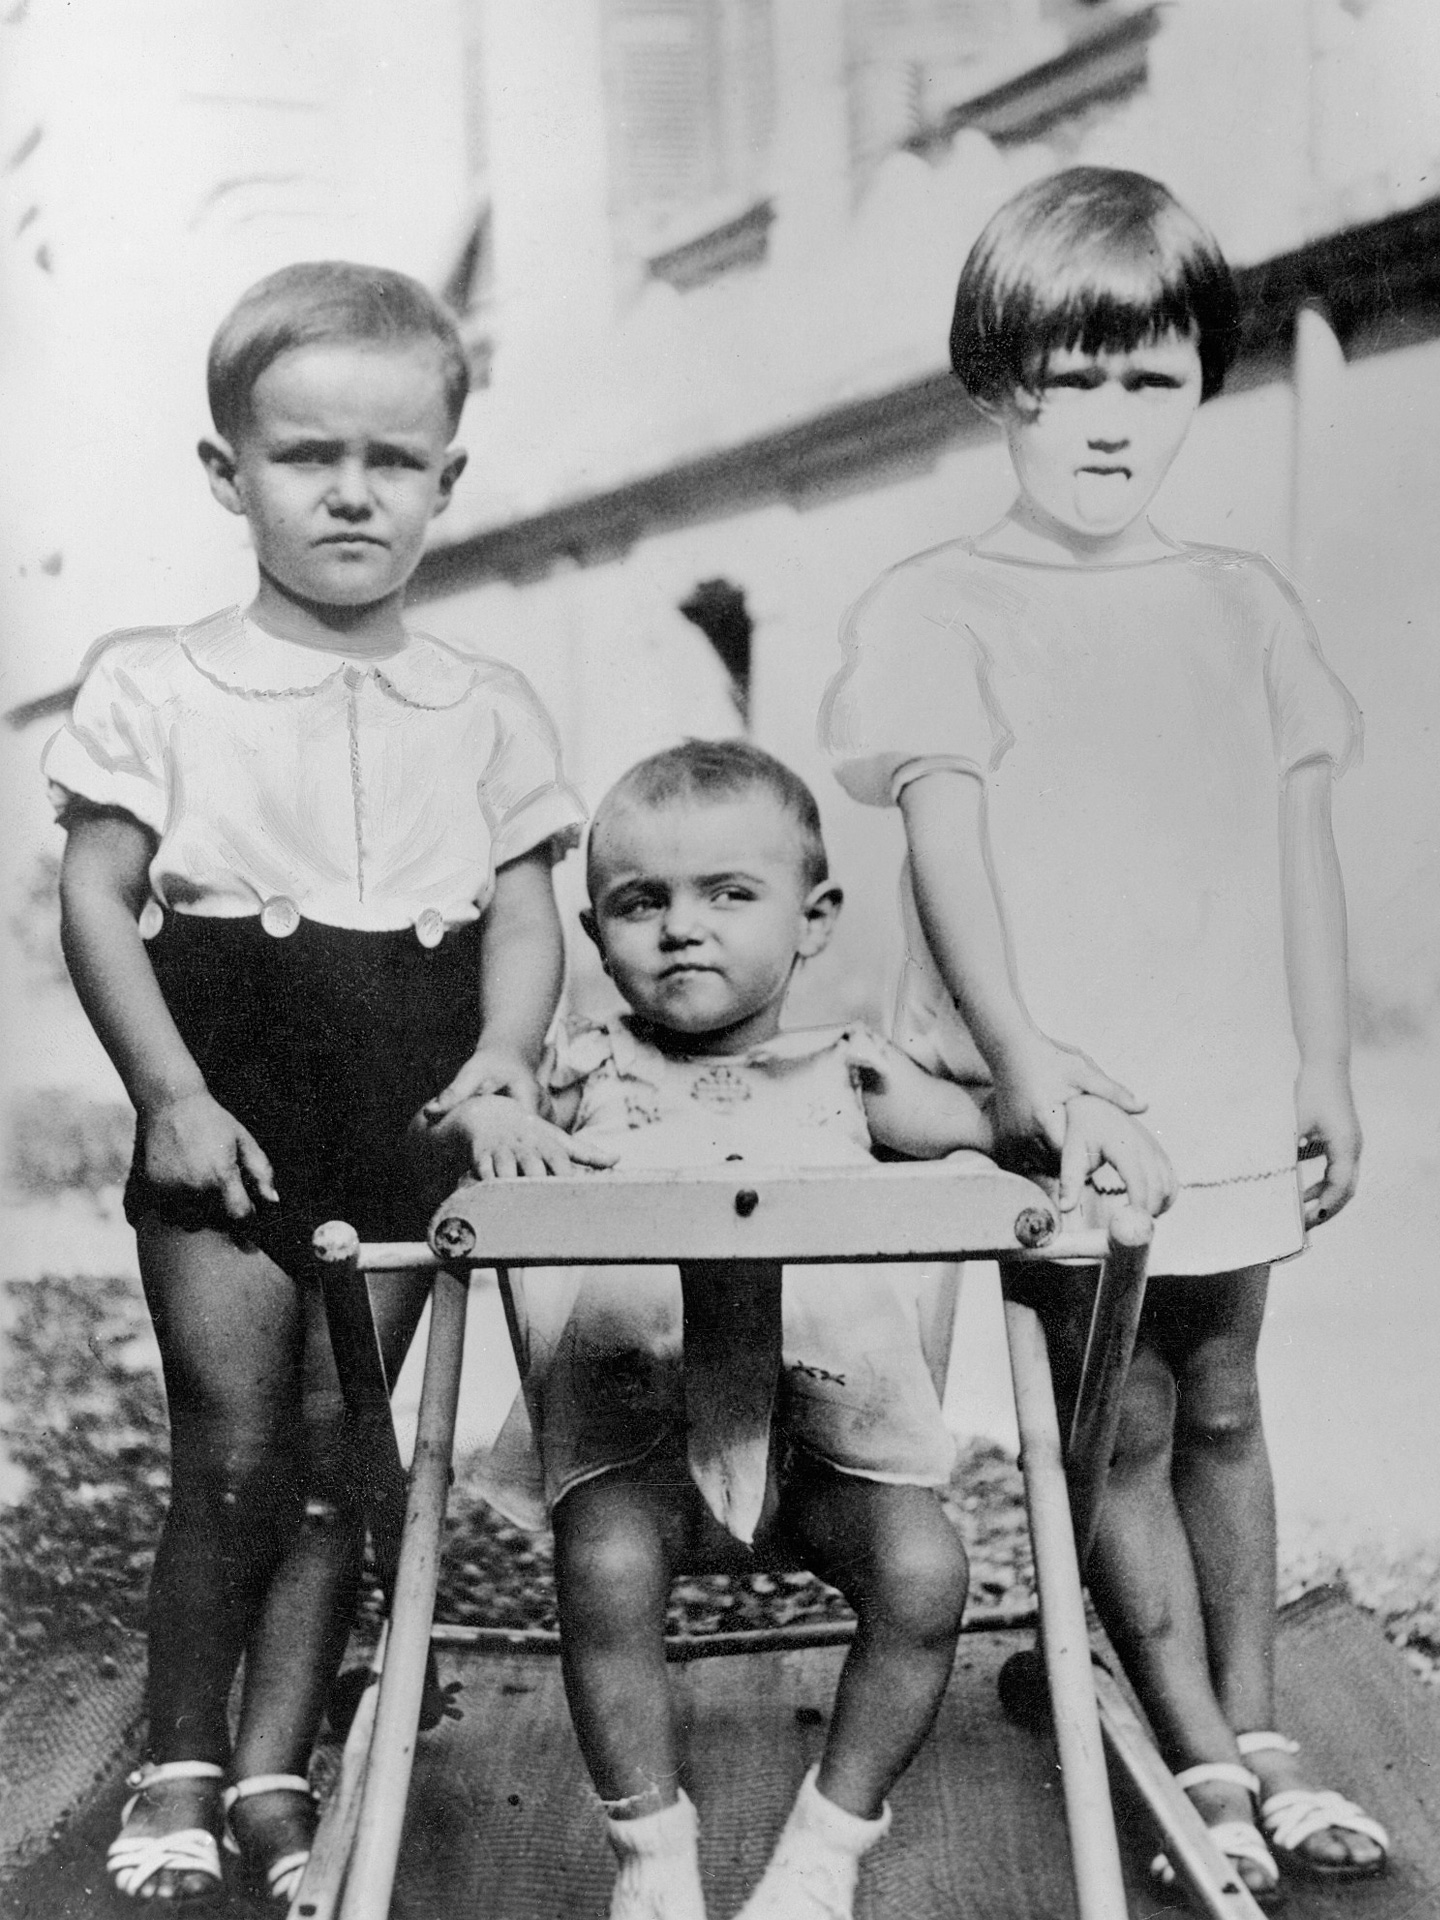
959,909
522,962
1313,897
916,1112
186,1139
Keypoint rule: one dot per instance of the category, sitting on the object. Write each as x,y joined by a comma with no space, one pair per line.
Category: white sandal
1239,1840
283,1875
134,1859
1297,1814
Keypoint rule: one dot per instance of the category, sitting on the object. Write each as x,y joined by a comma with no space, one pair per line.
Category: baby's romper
601,1348
1132,725
328,835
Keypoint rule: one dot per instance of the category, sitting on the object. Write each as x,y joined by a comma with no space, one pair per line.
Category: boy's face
344,460
1091,448
700,910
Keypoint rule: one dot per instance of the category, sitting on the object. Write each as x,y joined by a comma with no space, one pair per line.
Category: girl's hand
191,1144
1097,1133
503,1140
1032,1088
1327,1122
490,1069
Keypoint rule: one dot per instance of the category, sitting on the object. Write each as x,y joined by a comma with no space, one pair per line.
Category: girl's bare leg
899,1562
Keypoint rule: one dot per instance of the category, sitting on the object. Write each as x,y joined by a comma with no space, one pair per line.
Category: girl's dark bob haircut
326,303
1093,258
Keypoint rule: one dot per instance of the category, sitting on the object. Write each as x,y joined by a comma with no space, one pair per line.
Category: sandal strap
133,1859
284,1877
1296,1815
1266,1741
1220,1773
147,1776
266,1783
1237,1840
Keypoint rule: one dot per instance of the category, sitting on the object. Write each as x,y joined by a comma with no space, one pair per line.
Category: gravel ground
84,1425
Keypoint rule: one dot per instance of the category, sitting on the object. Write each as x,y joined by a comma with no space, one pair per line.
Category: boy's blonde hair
322,303
1093,258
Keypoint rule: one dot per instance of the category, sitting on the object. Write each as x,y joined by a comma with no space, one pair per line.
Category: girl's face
1091,447
700,910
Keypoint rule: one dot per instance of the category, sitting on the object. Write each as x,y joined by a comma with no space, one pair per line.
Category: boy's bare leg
900,1564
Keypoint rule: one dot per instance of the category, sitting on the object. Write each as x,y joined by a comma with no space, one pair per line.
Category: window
469,289
920,69
689,89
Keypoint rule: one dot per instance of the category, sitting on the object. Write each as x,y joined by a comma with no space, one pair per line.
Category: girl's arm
185,1138
960,913
1313,897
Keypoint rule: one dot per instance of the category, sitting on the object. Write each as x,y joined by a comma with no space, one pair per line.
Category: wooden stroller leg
397,1713
1064,1636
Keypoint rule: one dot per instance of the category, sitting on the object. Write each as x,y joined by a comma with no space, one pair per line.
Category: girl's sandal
134,1859
1297,1814
281,1876
1239,1840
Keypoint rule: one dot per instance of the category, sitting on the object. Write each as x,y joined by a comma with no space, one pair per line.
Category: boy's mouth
1109,473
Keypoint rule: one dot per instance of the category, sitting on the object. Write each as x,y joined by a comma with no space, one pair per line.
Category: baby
708,886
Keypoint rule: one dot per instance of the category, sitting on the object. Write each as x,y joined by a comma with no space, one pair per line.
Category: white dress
1132,725
600,1348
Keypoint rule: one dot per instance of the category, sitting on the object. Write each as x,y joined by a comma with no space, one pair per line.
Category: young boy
708,887
306,890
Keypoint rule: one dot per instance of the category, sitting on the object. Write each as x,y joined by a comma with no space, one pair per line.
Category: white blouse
292,782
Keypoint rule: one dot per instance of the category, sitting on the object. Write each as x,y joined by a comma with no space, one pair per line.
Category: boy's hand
1097,1133
490,1069
503,1140
1033,1087
1328,1123
192,1144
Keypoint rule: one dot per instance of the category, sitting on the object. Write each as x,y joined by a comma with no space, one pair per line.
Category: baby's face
1091,449
344,461
700,910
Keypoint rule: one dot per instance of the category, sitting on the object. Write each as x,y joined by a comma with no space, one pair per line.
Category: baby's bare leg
900,1564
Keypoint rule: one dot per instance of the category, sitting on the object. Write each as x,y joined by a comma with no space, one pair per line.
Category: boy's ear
218,459
456,461
592,928
821,910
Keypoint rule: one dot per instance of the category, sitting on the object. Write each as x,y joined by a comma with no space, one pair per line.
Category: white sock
816,1862
659,1857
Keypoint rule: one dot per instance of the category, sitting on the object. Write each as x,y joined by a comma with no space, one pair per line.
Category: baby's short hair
1093,258
721,769
321,303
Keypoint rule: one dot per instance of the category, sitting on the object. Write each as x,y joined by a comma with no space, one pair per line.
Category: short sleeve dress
1132,725
600,1348
327,835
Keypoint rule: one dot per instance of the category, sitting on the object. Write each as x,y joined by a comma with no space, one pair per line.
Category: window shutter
664,105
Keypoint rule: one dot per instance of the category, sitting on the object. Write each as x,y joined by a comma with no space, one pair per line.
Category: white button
279,916
152,919
430,927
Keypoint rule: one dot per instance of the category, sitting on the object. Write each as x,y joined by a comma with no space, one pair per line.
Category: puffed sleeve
913,691
523,789
112,750
1312,716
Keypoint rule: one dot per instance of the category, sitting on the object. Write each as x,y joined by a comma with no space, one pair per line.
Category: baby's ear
821,910
218,459
592,928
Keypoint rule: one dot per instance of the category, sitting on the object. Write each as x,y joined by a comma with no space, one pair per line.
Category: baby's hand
191,1144
1033,1088
488,1070
503,1141
1097,1133
1328,1123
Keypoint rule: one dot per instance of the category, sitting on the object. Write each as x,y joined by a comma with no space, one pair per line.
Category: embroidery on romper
642,1107
721,1086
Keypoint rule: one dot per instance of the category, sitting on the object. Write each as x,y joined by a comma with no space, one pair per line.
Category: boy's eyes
323,454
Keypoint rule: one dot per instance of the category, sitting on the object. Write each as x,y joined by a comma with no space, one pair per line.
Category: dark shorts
324,1044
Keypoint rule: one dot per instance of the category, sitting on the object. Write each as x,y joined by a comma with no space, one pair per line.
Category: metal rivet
746,1201
453,1238
1034,1226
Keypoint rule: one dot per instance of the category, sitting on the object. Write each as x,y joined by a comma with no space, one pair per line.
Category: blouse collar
240,655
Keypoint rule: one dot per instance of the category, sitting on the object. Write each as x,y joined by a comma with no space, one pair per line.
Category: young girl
306,888
1113,753
708,885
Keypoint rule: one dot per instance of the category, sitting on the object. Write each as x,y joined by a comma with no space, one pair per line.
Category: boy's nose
349,490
